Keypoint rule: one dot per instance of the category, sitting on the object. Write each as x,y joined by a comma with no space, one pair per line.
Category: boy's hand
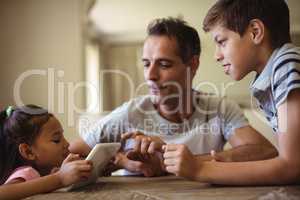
179,160
74,170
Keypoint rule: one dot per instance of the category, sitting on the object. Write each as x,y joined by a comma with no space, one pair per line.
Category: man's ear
257,31
194,64
26,152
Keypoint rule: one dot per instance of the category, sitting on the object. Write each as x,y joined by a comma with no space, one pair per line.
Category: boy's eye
221,42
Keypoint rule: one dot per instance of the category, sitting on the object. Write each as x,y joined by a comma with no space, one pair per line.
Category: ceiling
126,20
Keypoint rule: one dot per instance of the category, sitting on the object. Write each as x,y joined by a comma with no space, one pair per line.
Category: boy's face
50,147
235,53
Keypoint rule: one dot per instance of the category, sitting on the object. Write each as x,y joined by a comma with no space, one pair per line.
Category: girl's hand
74,170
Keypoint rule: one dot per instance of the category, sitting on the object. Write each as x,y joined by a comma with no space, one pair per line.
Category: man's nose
152,72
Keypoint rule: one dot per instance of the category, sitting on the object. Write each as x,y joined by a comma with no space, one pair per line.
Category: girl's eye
56,141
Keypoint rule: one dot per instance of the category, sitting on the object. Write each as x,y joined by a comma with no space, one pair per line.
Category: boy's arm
21,189
247,145
284,169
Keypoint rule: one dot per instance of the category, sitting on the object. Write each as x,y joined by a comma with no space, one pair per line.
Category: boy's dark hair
236,15
187,38
21,125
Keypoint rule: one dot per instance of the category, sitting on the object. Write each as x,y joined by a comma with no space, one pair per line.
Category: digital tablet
100,155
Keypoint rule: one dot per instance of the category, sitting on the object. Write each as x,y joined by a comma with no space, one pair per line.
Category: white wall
42,34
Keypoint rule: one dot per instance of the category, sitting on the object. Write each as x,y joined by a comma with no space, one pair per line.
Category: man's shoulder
212,99
215,102
126,112
140,102
134,105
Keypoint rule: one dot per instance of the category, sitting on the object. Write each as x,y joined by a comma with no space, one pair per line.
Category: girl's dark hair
22,125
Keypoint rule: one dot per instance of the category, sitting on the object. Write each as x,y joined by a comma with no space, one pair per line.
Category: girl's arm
69,173
23,189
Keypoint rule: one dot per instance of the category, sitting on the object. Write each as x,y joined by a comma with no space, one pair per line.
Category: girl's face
50,148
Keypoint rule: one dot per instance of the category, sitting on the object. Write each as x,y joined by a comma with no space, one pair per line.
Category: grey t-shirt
212,123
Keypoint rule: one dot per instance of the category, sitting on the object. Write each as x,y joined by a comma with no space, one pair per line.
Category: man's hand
180,161
143,143
148,166
144,157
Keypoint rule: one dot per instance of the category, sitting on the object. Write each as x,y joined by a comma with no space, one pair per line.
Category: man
174,112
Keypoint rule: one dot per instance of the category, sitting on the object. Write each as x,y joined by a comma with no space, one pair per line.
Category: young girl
32,148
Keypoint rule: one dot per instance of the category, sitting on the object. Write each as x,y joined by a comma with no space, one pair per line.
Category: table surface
168,187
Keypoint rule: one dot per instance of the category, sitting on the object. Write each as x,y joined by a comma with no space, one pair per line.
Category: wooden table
169,187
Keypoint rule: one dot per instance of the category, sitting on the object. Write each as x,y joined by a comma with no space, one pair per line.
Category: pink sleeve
27,173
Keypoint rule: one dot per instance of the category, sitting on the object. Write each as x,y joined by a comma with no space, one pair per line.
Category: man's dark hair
237,14
188,41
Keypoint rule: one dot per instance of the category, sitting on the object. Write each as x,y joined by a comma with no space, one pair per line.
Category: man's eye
146,64
165,64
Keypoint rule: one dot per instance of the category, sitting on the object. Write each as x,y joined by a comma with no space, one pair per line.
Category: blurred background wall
44,35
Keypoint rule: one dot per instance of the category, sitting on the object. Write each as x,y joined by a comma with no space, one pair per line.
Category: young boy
254,35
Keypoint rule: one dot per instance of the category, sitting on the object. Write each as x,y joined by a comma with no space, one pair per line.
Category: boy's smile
234,52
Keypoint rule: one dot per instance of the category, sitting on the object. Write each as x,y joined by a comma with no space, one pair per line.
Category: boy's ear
26,152
257,31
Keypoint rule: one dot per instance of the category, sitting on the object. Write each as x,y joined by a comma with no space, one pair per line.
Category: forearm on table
268,172
29,188
250,152
242,153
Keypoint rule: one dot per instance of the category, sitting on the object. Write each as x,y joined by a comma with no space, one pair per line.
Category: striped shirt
280,76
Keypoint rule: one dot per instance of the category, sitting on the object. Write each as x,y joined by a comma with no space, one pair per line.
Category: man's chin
155,98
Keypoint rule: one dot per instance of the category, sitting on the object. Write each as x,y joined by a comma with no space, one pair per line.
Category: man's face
167,76
235,53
